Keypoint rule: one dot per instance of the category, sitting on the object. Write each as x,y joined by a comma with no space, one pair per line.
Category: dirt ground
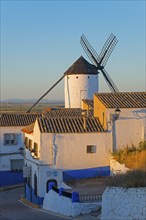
89,186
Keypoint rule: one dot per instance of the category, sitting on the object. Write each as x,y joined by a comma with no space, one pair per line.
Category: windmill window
10,139
91,149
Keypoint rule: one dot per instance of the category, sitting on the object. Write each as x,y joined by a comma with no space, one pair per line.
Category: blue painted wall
86,173
30,196
8,178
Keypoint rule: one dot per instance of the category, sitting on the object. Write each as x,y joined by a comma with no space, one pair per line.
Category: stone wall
63,205
124,204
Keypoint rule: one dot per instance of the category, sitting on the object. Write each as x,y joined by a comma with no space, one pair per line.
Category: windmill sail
45,94
100,60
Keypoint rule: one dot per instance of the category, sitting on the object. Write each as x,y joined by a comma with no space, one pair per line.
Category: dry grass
131,179
133,157
136,160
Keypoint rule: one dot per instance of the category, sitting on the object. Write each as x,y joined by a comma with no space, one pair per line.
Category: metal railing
90,198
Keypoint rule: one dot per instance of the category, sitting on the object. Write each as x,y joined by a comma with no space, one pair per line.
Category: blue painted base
30,195
86,173
8,178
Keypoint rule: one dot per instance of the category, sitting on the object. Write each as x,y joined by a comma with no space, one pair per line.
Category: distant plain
22,107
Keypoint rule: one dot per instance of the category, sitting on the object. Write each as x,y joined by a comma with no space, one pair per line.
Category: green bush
131,179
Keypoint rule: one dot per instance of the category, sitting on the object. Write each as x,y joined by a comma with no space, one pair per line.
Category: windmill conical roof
81,66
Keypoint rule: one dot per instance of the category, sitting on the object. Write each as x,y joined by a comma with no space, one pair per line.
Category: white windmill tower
80,82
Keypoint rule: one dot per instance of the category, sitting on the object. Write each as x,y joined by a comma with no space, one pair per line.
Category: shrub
131,179
142,146
136,160
133,157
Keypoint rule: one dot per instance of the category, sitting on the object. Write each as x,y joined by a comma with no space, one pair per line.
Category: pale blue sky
41,39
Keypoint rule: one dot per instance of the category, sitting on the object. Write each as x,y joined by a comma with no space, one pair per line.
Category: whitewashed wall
129,128
78,87
44,173
5,164
119,203
62,205
71,150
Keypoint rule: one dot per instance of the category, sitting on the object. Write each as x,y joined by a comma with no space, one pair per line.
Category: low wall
63,205
8,178
119,203
86,173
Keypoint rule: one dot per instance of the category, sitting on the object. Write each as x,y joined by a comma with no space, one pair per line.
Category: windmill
100,60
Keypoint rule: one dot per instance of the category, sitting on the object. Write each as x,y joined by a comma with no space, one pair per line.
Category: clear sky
41,39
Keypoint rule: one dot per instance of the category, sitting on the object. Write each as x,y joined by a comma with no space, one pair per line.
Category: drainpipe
113,118
114,141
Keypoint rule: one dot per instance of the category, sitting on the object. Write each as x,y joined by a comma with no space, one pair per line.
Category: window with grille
10,139
91,149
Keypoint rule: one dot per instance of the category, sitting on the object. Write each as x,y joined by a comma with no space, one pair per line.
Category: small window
26,142
30,144
36,149
76,77
91,149
10,139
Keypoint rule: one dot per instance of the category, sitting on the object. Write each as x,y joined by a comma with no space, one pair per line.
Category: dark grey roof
69,125
81,66
123,99
15,119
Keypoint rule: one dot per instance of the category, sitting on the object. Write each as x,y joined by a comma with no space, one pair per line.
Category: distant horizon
31,100
44,100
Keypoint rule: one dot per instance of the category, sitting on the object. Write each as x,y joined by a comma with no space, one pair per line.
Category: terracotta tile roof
67,112
123,99
22,119
81,66
28,129
68,125
89,102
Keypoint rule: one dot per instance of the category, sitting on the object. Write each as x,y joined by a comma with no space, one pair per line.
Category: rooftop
15,119
81,66
69,125
123,99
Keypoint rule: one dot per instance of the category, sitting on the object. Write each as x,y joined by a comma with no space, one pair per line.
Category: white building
11,146
77,143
